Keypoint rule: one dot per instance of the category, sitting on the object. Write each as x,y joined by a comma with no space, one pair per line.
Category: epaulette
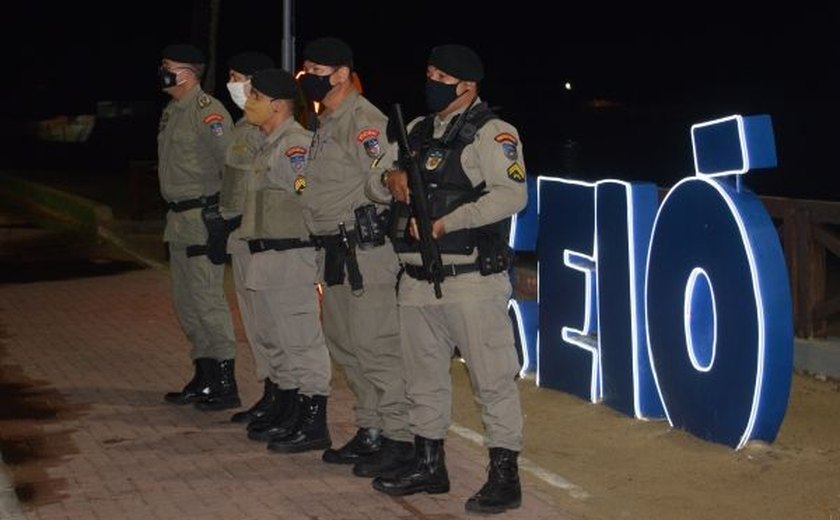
204,101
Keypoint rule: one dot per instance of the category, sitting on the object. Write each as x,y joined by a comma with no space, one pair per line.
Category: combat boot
199,386
394,457
224,393
427,472
502,490
310,432
364,444
260,408
279,420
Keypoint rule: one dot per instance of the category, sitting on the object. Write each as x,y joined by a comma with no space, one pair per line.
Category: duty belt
419,273
259,245
200,202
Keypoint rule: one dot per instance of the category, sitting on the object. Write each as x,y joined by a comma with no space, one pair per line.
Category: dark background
641,75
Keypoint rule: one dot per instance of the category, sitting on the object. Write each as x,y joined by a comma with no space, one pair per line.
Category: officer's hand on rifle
397,183
437,229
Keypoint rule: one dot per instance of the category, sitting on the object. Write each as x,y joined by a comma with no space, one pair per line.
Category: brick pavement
100,353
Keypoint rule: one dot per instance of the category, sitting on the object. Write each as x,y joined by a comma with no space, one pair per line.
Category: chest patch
433,159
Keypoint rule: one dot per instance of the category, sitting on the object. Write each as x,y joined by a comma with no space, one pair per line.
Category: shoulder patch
508,142
204,101
297,159
505,137
369,138
215,116
516,173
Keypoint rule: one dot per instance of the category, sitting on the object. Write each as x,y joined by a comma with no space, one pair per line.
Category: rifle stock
432,264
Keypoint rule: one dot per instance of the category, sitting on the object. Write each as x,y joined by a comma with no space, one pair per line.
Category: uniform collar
348,101
449,117
281,128
188,98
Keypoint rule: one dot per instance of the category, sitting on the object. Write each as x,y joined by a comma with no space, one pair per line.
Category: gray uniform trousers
472,315
363,337
281,285
199,299
240,259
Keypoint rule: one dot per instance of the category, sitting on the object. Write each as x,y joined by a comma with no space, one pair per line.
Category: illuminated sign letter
718,303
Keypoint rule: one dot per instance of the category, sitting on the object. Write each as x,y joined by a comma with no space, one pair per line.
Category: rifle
432,263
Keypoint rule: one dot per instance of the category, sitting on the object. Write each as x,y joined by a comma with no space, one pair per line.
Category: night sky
640,75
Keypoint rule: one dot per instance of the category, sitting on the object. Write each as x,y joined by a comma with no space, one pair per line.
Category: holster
339,253
494,254
218,230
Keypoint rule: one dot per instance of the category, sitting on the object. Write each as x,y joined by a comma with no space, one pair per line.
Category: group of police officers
324,250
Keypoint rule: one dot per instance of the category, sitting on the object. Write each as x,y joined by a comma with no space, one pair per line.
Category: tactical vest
239,161
447,185
273,213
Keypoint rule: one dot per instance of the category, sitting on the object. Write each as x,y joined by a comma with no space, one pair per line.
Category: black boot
311,432
224,393
280,419
394,457
364,444
427,472
260,408
502,490
199,386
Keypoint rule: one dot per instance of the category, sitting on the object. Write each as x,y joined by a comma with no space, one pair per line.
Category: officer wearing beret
239,162
193,137
472,165
282,272
360,268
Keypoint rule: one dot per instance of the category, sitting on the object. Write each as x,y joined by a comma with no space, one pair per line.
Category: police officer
239,161
193,136
360,267
282,272
474,176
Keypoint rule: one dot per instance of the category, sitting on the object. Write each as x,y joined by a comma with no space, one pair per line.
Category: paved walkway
92,359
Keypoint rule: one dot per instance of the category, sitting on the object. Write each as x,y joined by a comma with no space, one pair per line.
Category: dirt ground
624,468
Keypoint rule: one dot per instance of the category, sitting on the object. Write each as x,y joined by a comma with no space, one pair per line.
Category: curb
71,211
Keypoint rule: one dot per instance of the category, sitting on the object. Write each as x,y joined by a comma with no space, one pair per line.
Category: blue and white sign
680,310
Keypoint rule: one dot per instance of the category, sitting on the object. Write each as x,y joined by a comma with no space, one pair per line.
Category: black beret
329,51
183,53
457,61
275,83
248,63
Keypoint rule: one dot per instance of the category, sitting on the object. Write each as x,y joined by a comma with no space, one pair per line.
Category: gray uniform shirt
193,136
348,147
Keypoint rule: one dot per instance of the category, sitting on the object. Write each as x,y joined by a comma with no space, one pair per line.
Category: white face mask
237,92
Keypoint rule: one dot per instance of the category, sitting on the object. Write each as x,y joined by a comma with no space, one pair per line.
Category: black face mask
167,78
439,95
315,88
